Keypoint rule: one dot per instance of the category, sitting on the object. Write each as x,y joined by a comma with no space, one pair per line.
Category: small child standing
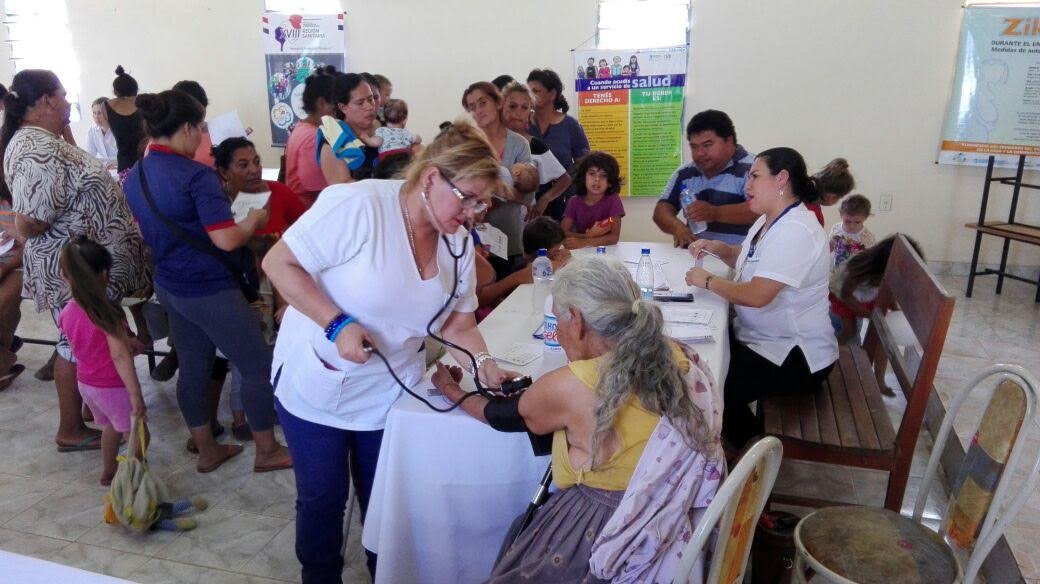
854,286
394,137
851,236
593,217
101,343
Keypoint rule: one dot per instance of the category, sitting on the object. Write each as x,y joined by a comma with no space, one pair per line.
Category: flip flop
272,467
92,442
232,451
13,372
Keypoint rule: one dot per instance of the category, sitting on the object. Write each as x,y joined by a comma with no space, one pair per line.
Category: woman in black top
125,120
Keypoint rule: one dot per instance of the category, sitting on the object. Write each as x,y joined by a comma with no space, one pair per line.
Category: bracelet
481,358
338,323
707,282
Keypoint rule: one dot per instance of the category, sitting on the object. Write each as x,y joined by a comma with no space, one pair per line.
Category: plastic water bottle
542,270
601,250
645,275
552,342
687,199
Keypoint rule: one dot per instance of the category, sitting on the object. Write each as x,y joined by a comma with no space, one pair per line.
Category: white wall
865,80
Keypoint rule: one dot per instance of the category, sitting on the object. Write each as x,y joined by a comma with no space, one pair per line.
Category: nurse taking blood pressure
366,265
782,342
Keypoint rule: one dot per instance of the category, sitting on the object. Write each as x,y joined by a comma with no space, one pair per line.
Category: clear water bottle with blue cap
687,199
601,250
645,275
542,271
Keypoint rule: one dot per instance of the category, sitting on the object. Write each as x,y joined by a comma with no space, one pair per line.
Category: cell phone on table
666,296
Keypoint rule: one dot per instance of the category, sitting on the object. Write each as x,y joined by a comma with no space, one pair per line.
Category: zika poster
994,108
631,106
294,46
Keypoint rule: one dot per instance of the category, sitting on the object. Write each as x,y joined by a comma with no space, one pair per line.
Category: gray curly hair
642,361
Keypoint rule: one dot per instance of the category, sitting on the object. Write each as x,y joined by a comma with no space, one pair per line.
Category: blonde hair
460,152
516,87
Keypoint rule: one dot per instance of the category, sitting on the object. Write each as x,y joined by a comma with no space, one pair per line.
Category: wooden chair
861,544
846,422
735,509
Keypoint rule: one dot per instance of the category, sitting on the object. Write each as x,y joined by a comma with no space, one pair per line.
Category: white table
447,486
16,568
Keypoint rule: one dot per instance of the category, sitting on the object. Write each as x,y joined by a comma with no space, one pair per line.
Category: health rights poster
294,46
994,108
631,105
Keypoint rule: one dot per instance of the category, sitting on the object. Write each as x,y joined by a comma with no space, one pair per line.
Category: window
643,24
304,6
39,35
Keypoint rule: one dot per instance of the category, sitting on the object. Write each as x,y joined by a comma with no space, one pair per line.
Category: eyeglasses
471,204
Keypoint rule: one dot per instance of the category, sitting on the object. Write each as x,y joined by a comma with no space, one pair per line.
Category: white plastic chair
978,513
735,508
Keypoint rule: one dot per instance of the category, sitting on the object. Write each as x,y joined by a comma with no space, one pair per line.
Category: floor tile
157,571
100,560
231,539
66,514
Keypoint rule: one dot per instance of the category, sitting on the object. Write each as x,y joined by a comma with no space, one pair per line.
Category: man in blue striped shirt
711,188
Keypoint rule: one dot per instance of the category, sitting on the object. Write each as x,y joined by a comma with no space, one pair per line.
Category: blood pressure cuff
503,414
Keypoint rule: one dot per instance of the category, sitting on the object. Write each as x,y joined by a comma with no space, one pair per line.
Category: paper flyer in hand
493,237
246,202
225,126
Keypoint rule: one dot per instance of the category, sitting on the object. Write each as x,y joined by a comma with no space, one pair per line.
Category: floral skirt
556,546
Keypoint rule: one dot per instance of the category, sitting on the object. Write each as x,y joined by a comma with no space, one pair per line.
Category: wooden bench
846,422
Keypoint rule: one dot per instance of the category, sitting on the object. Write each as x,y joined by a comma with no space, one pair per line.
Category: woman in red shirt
238,165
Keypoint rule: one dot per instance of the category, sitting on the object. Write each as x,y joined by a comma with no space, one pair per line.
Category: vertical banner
995,104
631,106
294,46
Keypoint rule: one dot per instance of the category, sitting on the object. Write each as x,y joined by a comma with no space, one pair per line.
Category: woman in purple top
551,124
594,216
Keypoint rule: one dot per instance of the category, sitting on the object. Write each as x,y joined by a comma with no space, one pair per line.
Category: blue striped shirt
725,188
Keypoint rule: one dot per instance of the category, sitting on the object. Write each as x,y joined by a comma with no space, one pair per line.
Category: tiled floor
50,504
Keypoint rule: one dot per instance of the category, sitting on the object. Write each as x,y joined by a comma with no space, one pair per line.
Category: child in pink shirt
102,345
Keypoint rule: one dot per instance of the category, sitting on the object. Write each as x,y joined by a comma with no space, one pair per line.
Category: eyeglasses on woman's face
470,203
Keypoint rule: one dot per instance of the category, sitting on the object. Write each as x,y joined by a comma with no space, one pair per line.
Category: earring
780,194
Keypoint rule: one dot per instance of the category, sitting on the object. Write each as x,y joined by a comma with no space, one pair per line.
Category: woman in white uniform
782,342
371,262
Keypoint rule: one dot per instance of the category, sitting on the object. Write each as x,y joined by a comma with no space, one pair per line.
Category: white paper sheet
246,202
226,126
686,314
691,333
520,353
494,238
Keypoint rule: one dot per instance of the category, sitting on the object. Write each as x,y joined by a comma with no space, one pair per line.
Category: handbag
136,493
248,279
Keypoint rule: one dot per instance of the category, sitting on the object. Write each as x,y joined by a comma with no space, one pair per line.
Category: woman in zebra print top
60,192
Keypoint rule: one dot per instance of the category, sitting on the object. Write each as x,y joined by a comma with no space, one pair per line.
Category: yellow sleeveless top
633,423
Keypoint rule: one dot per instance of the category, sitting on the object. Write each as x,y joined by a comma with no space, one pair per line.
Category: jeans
325,459
201,325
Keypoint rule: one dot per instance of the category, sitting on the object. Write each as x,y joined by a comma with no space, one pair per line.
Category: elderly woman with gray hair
624,379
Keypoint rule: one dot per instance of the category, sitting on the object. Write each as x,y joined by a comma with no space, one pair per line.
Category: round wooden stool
866,545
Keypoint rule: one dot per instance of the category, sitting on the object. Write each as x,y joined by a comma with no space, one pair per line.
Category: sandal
230,451
13,372
92,442
16,343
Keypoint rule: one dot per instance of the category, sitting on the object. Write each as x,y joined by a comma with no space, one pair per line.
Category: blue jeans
324,461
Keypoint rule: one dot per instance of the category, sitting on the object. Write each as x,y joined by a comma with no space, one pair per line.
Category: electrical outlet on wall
885,204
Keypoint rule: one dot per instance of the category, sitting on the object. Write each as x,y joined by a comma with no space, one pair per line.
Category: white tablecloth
447,486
